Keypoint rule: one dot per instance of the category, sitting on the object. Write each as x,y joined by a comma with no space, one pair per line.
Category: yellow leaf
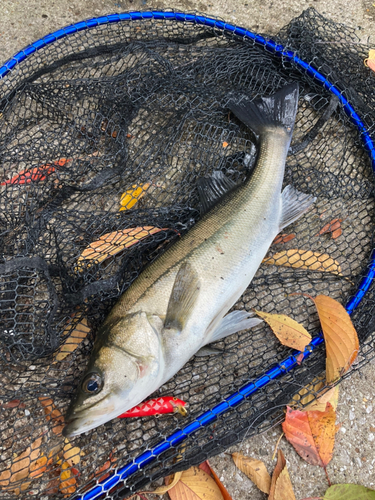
72,455
255,470
195,484
281,486
340,337
133,195
164,489
305,259
307,393
67,480
75,338
112,243
289,332
328,396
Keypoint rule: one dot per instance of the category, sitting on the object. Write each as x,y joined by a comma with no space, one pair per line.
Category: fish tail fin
277,110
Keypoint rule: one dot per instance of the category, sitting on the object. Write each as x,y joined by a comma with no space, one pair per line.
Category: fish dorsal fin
183,297
211,189
294,204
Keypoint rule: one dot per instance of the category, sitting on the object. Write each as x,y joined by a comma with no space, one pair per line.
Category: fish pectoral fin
294,204
208,351
211,189
183,297
232,323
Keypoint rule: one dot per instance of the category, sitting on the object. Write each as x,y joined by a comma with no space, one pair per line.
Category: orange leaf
340,337
281,486
52,414
78,334
283,238
206,467
72,455
312,433
225,144
68,483
288,331
304,259
14,403
112,243
329,396
254,470
333,227
133,195
195,484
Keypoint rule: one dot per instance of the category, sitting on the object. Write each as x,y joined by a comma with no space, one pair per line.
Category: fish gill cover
104,134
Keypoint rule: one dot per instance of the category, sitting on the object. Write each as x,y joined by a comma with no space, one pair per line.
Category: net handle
289,363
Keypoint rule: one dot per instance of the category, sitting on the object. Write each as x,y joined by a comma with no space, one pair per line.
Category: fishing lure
158,406
36,174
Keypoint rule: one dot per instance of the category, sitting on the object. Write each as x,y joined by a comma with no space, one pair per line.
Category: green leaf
349,492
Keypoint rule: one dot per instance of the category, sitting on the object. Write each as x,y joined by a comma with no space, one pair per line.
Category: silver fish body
178,304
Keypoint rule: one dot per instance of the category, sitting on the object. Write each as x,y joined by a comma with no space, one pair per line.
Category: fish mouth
72,419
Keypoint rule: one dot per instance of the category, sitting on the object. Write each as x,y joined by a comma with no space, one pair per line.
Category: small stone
369,409
351,414
27,413
371,437
342,429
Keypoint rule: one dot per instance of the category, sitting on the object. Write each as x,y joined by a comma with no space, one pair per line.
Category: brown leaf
333,227
281,486
254,470
340,337
328,396
307,393
289,332
205,466
78,334
195,484
14,403
283,238
68,483
305,259
112,243
312,434
52,414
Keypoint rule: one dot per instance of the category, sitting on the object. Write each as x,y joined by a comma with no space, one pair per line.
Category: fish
179,303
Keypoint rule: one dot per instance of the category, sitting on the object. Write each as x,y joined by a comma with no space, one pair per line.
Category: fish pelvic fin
294,204
232,323
184,294
277,110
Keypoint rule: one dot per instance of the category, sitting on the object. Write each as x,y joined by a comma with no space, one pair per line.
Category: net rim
289,363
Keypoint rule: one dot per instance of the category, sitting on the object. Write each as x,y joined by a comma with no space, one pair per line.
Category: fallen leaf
68,482
27,464
281,485
312,434
289,332
225,144
340,337
254,470
161,490
206,467
283,238
78,334
52,414
349,492
329,396
304,259
195,484
112,243
72,455
370,61
308,393
14,403
333,227
133,195
105,467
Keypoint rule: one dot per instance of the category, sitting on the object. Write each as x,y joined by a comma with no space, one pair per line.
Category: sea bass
179,303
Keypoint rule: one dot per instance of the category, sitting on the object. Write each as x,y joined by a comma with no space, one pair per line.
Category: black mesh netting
142,104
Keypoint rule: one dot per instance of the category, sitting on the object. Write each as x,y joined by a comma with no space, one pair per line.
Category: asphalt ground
22,22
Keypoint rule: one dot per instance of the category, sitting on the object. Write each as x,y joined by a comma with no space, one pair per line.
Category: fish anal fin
184,294
232,323
212,189
294,204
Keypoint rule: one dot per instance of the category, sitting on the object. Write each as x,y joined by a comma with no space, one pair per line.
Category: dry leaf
52,414
72,455
195,484
68,483
340,337
281,486
112,243
133,195
312,434
14,403
304,259
162,490
206,467
288,331
329,396
254,470
307,393
333,227
225,144
283,238
79,333
370,61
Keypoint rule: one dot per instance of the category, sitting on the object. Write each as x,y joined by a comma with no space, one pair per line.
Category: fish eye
92,383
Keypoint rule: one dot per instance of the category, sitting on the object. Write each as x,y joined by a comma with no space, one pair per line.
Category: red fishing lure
36,174
157,406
